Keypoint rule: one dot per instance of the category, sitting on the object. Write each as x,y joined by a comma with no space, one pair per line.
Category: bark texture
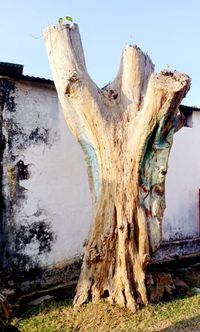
126,131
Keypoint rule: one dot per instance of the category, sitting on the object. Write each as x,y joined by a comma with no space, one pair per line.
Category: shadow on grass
189,325
44,308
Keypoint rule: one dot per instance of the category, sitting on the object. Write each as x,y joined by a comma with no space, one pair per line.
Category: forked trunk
126,132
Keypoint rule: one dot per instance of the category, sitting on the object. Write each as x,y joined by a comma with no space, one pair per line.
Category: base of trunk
119,282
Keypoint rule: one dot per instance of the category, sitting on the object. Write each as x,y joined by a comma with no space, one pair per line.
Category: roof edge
15,71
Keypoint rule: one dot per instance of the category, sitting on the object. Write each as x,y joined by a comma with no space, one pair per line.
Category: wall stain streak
18,264
22,139
40,135
23,172
39,232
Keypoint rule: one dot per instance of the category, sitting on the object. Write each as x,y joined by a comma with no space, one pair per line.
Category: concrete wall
47,209
181,218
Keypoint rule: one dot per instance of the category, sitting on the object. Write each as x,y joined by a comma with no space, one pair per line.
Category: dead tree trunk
126,132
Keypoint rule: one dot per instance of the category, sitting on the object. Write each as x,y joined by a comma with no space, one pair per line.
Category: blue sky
169,31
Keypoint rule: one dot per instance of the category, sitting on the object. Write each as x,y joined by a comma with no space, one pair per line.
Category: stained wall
45,197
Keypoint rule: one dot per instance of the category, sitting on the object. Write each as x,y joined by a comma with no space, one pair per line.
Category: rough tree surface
126,131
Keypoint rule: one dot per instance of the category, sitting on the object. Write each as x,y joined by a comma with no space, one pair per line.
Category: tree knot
70,83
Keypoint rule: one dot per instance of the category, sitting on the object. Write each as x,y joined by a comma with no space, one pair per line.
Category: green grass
182,314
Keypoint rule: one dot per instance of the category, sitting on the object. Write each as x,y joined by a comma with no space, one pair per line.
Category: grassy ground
182,314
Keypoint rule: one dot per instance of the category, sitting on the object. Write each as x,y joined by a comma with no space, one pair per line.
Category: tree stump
126,131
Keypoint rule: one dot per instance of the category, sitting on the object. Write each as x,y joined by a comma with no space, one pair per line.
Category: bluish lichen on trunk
152,173
93,166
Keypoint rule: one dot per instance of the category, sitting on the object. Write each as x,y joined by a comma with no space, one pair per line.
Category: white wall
181,218
56,191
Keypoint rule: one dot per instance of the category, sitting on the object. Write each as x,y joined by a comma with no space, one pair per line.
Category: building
181,223
45,203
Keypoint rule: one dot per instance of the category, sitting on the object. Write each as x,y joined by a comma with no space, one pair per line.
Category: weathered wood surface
126,132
